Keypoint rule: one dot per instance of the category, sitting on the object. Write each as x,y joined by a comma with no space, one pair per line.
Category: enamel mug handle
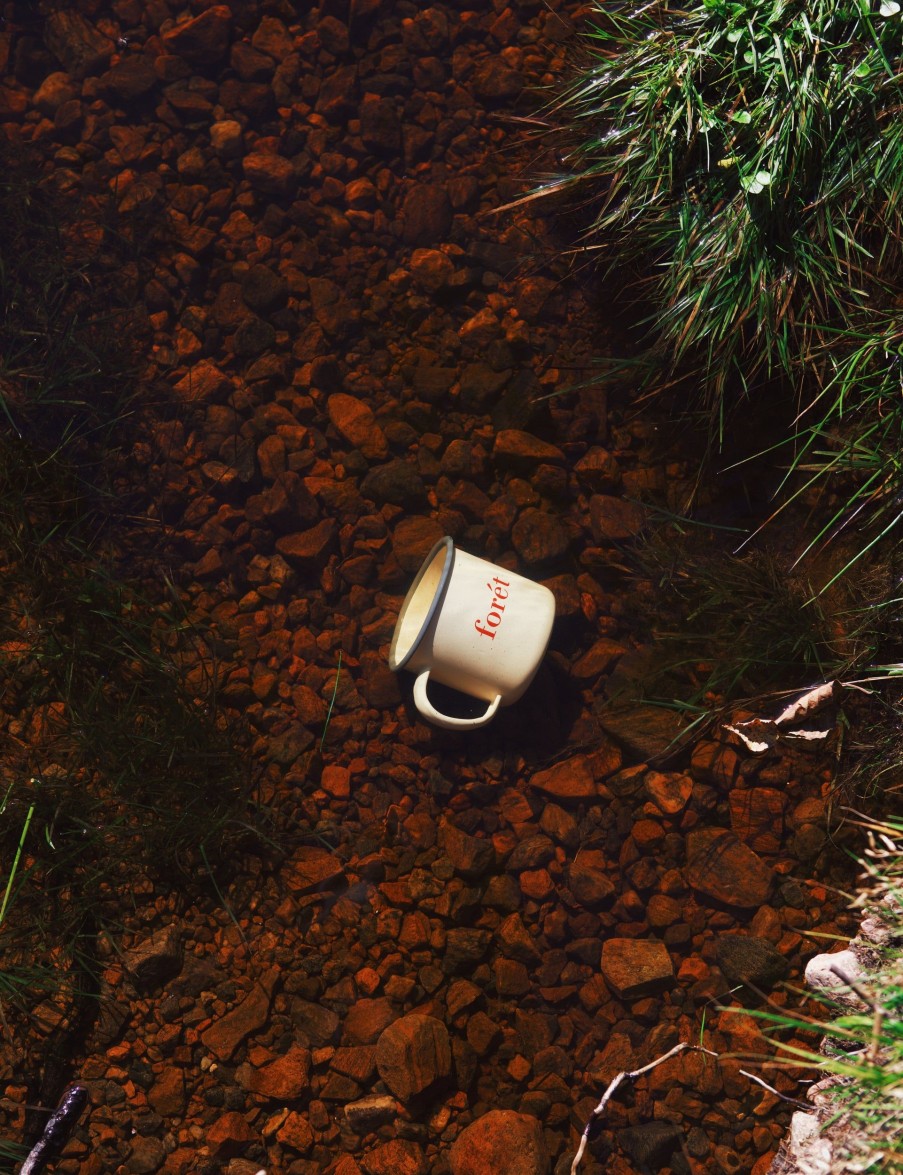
428,710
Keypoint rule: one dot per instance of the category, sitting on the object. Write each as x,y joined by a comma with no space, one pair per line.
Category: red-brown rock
523,449
614,519
426,215
284,1079
432,269
76,42
589,885
501,1142
167,1094
669,791
715,763
471,856
598,659
398,1156
224,1035
539,537
274,175
634,967
204,381
412,540
308,548
757,817
571,779
598,470
228,1135
312,868
722,868
296,1133
355,421
412,1054
366,1020
203,39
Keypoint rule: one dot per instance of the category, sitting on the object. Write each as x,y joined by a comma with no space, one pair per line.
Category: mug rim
448,542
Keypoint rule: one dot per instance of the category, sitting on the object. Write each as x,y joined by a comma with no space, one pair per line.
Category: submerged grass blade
15,865
335,690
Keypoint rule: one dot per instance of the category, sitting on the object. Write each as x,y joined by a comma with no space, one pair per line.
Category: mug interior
421,602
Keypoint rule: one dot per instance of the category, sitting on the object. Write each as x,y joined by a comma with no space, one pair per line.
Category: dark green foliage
739,171
68,333
729,627
748,159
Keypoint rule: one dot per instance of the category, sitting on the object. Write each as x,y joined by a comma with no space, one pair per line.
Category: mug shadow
536,727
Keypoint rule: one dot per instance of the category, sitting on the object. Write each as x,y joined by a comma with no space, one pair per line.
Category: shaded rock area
462,939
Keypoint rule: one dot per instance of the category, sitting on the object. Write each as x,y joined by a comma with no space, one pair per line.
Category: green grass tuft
747,160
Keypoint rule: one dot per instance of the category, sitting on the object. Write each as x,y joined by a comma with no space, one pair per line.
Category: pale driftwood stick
616,1081
777,1093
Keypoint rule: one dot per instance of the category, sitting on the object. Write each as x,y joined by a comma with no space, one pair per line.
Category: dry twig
632,1074
616,1081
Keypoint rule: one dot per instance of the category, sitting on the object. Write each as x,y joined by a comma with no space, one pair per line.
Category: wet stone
263,290
598,470
532,852
757,817
366,1019
748,959
204,381
156,961
412,1054
516,941
226,138
145,1155
570,779
312,868
539,537
80,47
56,88
203,39
522,450
601,657
355,421
426,215
614,519
503,1142
464,947
721,868
635,967
315,1024
229,1135
130,78
308,548
398,1156
167,1095
670,792
224,1036
645,731
471,856
283,1079
296,1132
715,763
272,175
590,887
397,482
432,269
412,540
651,1143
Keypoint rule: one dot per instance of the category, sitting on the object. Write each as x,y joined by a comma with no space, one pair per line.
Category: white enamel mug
473,626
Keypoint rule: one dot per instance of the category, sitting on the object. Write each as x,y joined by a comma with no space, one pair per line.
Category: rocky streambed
351,354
